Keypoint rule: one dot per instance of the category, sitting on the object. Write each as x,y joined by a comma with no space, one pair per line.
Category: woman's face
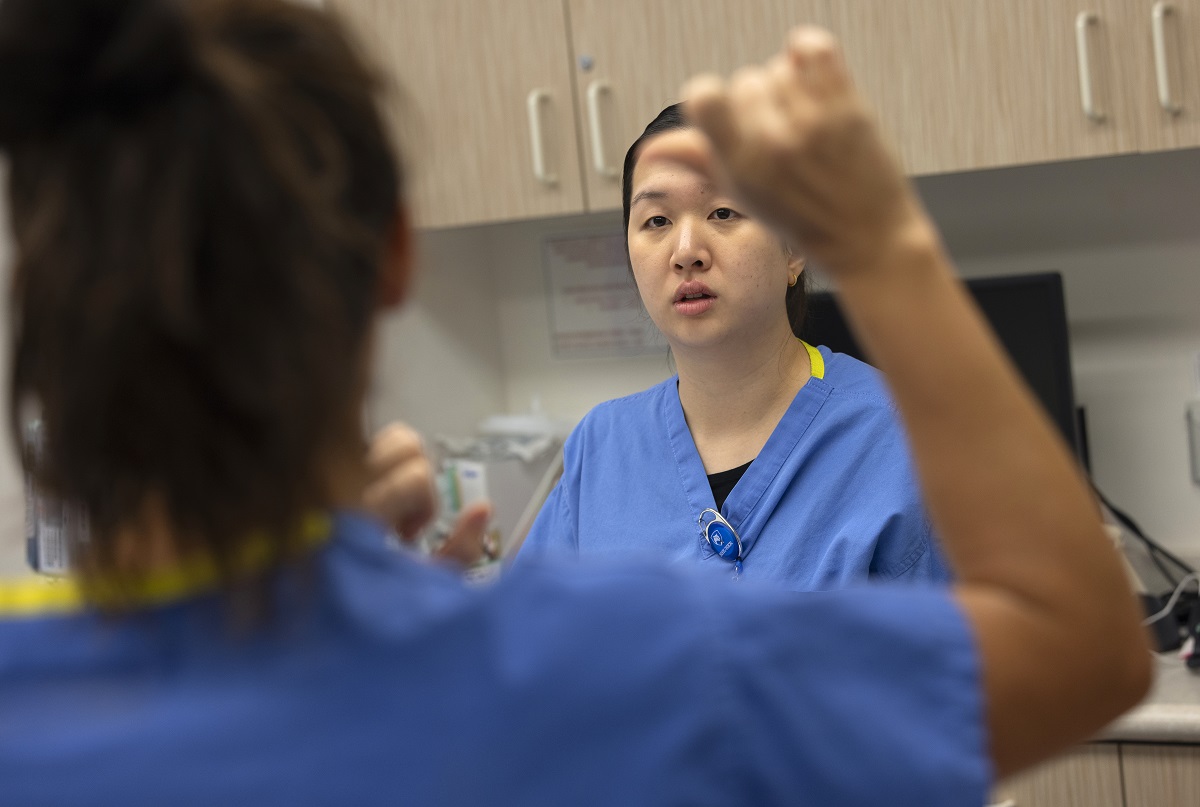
707,273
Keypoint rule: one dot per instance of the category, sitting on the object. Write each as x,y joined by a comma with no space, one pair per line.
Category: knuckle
824,46
402,442
423,476
746,81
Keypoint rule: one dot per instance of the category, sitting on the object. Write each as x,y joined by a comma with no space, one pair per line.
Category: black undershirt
723,481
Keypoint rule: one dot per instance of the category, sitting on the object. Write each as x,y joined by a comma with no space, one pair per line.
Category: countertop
1169,714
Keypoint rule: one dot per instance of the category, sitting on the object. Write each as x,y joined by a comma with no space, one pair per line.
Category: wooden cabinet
1161,775
1109,775
483,85
1163,50
969,84
958,84
524,108
632,56
966,84
1087,777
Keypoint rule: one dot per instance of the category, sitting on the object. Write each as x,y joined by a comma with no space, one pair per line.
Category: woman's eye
724,214
654,222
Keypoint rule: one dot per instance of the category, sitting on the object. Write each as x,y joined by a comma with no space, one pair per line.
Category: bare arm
1062,649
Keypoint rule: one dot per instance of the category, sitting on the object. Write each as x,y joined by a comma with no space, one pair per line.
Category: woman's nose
691,249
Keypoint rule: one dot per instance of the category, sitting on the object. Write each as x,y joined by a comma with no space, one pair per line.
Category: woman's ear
795,262
395,273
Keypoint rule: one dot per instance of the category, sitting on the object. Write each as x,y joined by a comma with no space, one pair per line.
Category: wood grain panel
466,68
1161,775
965,84
1159,129
1089,776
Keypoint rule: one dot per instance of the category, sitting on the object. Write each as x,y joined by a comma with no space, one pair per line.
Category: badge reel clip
723,538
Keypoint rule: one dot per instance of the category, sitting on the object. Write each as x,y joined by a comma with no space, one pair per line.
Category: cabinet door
466,72
1089,776
964,84
1161,775
632,56
1163,68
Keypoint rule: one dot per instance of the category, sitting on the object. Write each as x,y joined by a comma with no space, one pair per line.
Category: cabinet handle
1161,70
1005,803
534,105
1085,20
599,161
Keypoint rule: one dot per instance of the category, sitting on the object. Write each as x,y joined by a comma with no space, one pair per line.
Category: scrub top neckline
45,596
749,490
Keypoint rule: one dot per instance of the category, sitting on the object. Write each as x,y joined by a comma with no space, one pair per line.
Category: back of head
201,191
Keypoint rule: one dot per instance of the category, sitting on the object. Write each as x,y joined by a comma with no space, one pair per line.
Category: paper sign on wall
594,305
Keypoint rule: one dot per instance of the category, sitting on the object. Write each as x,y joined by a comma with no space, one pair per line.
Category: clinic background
1123,231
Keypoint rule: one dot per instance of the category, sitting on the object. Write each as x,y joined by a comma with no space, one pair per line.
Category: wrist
903,250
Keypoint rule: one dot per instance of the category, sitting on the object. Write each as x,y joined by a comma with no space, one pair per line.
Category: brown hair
671,119
201,193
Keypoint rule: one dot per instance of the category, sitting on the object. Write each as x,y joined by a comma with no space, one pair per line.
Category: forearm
1013,511
985,452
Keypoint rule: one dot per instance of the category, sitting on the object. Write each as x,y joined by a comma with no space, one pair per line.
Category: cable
1191,578
1128,521
1155,549
1133,527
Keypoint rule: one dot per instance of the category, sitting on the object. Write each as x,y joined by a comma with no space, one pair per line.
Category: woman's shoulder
626,409
851,378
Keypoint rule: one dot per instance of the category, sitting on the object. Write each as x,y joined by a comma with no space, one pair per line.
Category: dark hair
201,194
671,119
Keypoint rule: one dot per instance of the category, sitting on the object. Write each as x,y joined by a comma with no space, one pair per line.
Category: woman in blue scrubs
208,228
782,460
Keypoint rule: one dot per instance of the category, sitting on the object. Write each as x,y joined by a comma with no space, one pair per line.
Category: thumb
465,544
708,106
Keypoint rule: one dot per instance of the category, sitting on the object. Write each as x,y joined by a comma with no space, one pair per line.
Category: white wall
439,364
1135,337
1125,234
565,389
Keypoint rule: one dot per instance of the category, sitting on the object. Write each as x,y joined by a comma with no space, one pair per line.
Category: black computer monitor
1028,314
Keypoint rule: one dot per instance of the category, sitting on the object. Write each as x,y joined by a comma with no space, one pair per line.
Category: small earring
792,279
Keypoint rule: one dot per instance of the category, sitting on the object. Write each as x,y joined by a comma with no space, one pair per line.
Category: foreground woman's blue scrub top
392,682
831,499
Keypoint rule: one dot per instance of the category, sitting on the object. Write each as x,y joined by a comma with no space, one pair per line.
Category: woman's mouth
694,303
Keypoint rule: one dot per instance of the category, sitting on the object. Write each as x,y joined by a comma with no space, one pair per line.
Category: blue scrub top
388,681
831,499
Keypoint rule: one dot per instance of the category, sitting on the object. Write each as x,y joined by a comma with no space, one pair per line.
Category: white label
594,306
53,555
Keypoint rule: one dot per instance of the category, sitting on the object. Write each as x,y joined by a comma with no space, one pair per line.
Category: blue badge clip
722,537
